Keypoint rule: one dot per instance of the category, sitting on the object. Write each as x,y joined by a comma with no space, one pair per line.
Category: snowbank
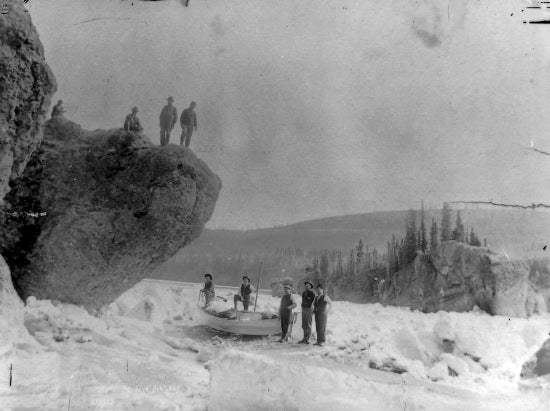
147,350
474,349
471,345
261,382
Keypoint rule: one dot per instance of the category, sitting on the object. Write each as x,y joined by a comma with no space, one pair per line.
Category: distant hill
513,231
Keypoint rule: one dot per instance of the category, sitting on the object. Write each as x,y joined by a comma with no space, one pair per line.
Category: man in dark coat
322,305
132,121
244,294
188,121
307,311
167,119
285,311
58,109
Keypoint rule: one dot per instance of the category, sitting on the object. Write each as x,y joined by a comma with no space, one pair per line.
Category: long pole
258,287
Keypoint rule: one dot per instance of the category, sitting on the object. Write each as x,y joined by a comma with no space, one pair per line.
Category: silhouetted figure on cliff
188,121
58,109
132,121
168,117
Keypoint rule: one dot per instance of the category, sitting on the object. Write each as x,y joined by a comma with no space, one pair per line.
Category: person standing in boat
244,294
208,289
307,311
288,303
322,305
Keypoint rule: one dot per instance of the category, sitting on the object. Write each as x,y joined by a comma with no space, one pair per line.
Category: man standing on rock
132,121
244,295
188,121
307,311
58,109
285,311
168,117
322,304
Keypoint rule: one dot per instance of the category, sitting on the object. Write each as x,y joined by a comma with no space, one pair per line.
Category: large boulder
94,212
26,87
456,277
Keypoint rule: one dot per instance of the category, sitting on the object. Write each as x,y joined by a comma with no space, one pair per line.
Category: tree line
360,273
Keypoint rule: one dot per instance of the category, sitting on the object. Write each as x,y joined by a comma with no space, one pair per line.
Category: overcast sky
316,108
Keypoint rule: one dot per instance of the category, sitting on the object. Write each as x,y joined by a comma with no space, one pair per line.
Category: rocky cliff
94,212
26,88
457,277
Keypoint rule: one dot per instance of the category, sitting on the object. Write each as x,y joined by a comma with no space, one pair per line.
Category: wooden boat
244,323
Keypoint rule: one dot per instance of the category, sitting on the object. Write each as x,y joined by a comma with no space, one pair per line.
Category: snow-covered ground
149,351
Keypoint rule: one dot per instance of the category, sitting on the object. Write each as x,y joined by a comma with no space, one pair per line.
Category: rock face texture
94,212
26,88
457,277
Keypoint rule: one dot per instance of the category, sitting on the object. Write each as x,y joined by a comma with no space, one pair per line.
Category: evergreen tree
410,237
315,267
458,232
395,254
339,269
323,267
433,235
401,255
474,241
389,265
359,253
446,222
423,238
351,269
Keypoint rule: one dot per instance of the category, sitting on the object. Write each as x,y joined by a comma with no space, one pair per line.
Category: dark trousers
320,326
186,133
307,319
285,321
165,136
246,301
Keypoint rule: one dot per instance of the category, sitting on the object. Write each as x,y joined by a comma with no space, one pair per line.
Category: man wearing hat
322,305
244,295
132,121
307,312
285,311
188,121
168,117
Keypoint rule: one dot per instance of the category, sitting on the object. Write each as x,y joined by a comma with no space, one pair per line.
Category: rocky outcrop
457,277
95,212
26,87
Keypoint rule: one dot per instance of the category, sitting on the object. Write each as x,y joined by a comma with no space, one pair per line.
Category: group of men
167,120
317,305
313,305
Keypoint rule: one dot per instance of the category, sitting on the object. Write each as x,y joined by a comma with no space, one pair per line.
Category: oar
258,287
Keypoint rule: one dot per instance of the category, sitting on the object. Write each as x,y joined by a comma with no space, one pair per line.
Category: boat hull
243,324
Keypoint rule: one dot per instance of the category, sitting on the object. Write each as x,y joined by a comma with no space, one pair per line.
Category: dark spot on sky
217,26
430,40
